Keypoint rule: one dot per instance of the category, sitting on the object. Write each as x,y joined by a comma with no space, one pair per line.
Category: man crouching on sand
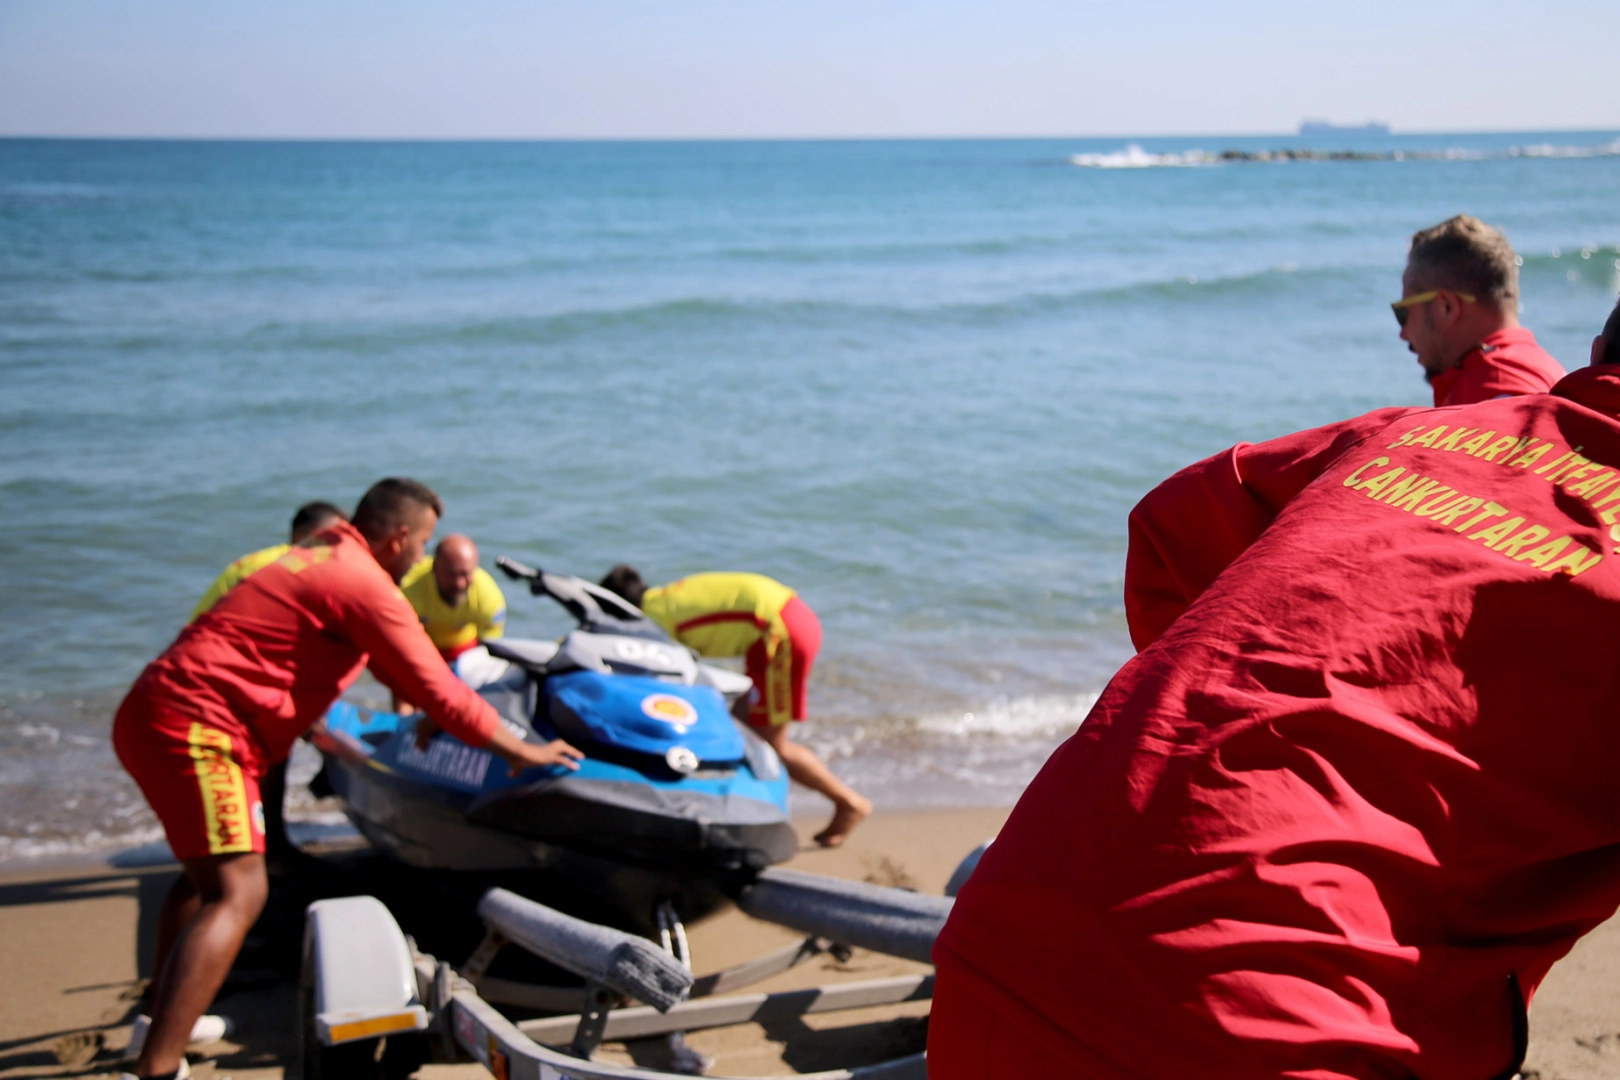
1354,796
232,694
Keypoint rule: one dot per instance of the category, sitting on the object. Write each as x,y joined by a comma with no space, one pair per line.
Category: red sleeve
383,625
1192,526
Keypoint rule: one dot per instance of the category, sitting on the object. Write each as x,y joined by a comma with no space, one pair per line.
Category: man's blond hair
1467,255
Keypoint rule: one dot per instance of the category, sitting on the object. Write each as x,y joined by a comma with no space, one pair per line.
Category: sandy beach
75,943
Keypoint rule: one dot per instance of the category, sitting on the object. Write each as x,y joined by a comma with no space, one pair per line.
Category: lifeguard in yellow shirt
311,518
458,602
764,621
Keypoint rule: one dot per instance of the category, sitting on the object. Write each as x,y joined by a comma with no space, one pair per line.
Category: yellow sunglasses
1403,306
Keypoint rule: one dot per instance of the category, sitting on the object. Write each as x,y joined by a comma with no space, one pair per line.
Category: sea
922,382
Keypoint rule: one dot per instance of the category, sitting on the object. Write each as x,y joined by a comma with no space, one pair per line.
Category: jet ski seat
622,962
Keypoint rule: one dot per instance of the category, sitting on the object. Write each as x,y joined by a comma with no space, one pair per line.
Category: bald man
458,602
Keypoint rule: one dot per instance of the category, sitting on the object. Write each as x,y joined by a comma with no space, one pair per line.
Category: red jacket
1507,362
269,659
1357,792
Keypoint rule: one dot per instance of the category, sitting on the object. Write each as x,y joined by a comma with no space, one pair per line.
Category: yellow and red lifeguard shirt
721,613
237,572
481,615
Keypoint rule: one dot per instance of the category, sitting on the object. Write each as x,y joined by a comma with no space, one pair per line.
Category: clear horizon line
1029,137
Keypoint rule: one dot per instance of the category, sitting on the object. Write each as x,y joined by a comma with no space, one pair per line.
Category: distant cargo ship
1323,127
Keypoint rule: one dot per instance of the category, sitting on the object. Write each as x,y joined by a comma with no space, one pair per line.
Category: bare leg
230,892
849,807
179,907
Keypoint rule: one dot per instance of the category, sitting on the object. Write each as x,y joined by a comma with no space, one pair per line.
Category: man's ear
1600,351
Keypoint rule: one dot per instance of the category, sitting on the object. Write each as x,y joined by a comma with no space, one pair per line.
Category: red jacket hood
1597,388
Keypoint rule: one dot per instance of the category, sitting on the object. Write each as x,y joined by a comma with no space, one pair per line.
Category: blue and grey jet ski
675,798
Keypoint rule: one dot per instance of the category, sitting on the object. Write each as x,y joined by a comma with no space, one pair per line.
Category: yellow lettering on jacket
1538,557
1450,441
1445,498
1495,534
1404,439
1572,460
1477,443
1375,487
1533,535
1591,486
1506,442
1428,437
1350,481
1491,510
1458,509
1576,563
1579,473
1530,457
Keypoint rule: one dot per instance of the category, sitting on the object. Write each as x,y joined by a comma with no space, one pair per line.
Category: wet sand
75,943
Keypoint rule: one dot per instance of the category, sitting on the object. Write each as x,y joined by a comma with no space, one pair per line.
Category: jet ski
676,801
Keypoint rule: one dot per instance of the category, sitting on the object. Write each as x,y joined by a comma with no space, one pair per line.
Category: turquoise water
922,382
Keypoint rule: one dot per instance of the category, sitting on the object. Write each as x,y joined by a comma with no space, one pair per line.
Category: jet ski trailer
371,1005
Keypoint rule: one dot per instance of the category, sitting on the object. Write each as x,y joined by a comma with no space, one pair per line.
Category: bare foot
845,818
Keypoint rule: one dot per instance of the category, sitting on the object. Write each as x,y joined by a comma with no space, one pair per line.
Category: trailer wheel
396,1057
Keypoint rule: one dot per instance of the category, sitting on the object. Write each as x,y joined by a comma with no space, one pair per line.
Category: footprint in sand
77,1050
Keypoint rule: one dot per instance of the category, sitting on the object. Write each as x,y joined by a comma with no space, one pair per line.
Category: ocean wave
1549,150
1015,718
91,842
687,315
1134,157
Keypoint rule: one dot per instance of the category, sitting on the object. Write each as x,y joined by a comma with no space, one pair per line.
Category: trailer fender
359,969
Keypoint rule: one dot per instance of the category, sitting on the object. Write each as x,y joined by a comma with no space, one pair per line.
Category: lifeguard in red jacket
1355,794
232,693
1459,314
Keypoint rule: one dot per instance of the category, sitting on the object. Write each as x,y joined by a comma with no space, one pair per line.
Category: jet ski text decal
447,758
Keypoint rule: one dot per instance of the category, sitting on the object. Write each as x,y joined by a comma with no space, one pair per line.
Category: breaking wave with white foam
1133,156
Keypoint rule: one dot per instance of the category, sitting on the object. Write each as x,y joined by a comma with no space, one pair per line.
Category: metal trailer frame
351,1003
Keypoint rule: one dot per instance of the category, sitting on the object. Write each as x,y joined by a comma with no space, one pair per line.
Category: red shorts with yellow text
780,681
203,783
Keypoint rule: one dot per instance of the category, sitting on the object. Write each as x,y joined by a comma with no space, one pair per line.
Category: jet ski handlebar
591,604
517,571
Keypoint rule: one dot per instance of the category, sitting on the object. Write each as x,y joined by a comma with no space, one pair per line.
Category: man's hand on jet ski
521,755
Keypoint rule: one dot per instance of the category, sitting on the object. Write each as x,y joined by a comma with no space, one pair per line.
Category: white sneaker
183,1073
208,1028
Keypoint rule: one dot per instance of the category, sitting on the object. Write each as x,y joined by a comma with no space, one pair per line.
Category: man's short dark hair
1611,334
625,581
389,504
1466,255
315,515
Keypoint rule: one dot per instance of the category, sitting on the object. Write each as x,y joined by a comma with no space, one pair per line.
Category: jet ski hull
614,837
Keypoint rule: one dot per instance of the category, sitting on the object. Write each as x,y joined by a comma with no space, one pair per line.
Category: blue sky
817,68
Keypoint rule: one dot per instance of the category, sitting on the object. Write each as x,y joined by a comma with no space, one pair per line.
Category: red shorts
203,783
779,683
